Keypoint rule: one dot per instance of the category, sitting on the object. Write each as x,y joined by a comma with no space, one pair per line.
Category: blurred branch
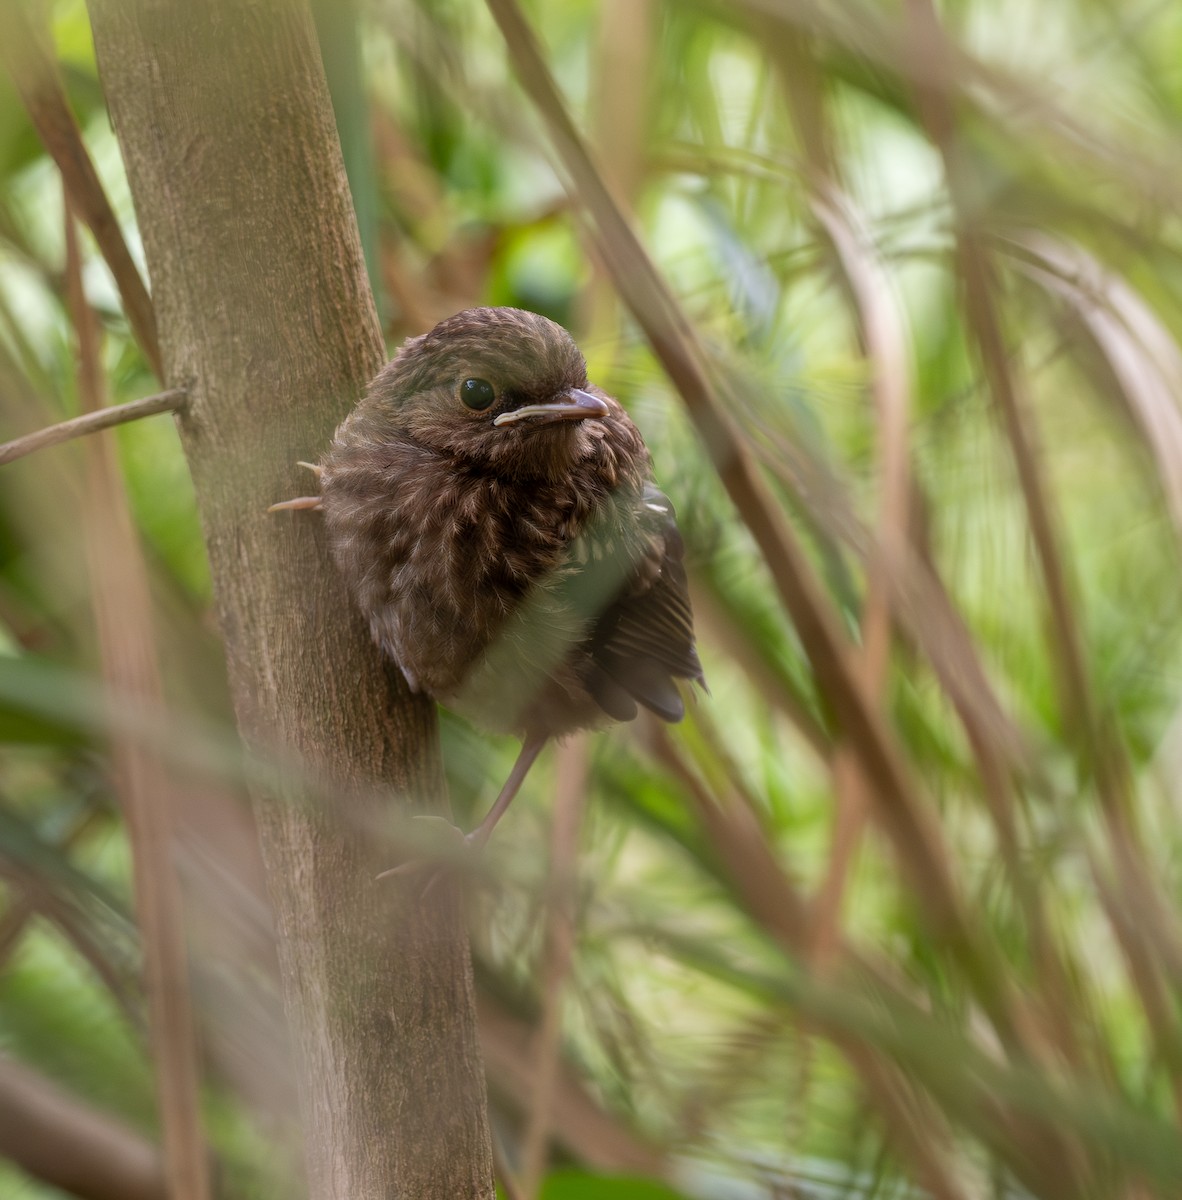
857,35
998,771
932,61
724,629
881,324
621,87
570,802
41,900
1138,347
91,422
578,1122
922,604
912,1119
1041,1123
67,1144
916,1123
505,1176
21,907
735,835
1095,735
626,34
28,58
778,907
123,614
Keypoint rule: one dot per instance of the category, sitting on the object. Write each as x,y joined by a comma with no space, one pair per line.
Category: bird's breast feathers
439,553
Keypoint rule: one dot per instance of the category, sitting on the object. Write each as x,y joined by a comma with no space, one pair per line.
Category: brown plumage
496,520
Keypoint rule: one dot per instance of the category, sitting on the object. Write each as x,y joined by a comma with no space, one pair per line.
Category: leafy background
895,911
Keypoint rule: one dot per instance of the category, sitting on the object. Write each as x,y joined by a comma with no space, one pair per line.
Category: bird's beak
574,405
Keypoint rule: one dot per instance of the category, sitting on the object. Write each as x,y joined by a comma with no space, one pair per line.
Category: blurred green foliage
690,1023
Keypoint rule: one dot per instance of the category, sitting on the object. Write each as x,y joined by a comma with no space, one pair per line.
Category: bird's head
501,388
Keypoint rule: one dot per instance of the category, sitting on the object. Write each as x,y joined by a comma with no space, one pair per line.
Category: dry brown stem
92,422
27,54
71,1146
123,614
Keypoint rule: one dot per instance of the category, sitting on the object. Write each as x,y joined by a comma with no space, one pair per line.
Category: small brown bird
495,518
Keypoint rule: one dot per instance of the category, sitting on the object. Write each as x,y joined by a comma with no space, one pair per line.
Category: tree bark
266,318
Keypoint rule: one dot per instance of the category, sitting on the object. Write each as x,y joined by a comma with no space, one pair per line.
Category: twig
31,64
92,422
762,886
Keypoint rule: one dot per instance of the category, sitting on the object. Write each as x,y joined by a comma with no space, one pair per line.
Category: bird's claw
300,502
452,842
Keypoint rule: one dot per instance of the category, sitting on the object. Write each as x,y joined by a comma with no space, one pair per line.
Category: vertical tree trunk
265,316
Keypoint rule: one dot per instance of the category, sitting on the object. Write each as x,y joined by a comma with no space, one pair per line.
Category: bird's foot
444,847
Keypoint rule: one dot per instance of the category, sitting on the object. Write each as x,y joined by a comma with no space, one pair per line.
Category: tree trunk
266,318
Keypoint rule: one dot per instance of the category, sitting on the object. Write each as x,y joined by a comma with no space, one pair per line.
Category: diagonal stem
27,55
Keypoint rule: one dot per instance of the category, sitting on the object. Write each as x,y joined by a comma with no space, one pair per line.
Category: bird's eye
477,393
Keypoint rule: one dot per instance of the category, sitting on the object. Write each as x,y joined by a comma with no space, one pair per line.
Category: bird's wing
642,638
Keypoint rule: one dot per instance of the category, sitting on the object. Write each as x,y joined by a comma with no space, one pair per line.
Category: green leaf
576,1185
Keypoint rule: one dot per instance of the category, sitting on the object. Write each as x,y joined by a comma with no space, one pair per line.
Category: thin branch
760,882
58,1139
92,422
621,103
1096,740
982,90
1141,353
29,60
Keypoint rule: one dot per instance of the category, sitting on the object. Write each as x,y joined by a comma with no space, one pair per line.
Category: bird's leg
530,749
476,840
